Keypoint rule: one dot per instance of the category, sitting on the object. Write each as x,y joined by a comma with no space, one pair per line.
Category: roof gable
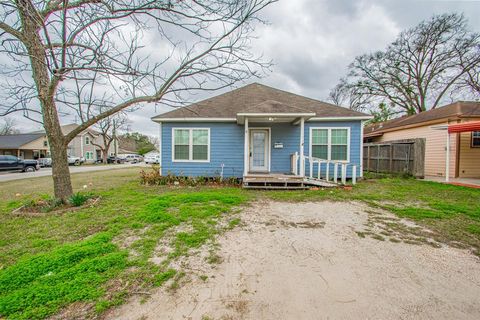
259,98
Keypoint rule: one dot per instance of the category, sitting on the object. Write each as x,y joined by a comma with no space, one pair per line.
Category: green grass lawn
99,255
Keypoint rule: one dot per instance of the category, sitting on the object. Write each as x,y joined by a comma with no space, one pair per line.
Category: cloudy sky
311,42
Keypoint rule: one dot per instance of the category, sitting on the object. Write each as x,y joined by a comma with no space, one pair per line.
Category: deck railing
323,168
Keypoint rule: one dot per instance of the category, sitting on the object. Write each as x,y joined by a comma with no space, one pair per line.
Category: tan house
25,146
464,156
34,145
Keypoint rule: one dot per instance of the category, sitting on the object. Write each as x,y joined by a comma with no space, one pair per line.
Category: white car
152,158
133,158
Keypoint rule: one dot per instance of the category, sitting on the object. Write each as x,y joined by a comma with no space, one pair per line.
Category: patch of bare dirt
307,261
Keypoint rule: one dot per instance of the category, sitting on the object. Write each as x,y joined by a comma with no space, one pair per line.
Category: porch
274,150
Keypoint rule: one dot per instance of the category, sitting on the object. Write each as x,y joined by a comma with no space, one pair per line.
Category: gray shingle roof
457,109
256,97
15,141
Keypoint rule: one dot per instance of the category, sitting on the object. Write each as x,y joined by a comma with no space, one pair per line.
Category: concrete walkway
10,176
467,182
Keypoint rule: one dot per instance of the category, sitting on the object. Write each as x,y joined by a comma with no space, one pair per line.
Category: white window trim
190,145
329,147
87,140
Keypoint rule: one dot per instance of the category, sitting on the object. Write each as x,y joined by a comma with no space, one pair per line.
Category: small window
87,140
191,145
339,144
89,155
45,143
476,139
330,143
320,143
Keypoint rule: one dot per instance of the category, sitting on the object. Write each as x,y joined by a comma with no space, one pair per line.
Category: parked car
152,158
11,163
45,162
76,161
133,158
113,159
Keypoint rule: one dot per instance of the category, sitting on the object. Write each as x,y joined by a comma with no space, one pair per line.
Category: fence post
391,157
368,158
311,167
327,170
335,172
344,173
354,175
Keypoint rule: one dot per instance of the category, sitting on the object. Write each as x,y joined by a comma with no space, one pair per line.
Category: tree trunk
105,155
62,184
46,88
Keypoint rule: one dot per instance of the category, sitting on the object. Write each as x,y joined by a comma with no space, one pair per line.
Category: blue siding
227,147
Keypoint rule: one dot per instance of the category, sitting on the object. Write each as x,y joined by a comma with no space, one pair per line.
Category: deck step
285,183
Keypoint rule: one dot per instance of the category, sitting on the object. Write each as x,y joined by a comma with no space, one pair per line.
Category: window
89,155
476,139
330,143
87,140
339,144
45,143
320,143
191,145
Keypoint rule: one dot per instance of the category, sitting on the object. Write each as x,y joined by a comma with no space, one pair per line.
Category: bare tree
419,70
83,54
346,95
8,127
108,129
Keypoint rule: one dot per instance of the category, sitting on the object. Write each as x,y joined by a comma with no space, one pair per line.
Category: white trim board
329,150
194,119
190,150
206,119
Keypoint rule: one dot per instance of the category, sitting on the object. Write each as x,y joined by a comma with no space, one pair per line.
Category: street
10,176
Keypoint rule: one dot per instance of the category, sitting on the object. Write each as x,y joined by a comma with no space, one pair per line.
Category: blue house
258,133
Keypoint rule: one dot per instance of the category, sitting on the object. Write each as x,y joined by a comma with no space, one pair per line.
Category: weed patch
40,285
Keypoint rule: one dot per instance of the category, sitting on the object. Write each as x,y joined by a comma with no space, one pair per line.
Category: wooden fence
400,156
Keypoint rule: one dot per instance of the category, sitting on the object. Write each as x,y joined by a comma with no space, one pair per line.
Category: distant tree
63,54
142,142
472,81
108,129
382,113
346,95
8,127
420,69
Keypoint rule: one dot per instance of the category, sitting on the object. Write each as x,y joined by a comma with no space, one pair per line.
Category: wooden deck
283,181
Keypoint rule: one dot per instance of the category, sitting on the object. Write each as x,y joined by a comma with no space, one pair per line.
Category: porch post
447,160
246,149
302,142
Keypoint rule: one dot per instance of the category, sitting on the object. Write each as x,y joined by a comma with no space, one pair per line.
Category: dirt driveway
315,261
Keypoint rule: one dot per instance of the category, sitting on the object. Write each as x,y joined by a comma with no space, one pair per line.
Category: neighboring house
464,147
258,129
86,144
25,145
34,145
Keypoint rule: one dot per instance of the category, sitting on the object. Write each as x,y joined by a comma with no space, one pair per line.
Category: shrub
78,199
153,177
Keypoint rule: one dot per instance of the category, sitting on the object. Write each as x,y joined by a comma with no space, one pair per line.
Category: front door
259,150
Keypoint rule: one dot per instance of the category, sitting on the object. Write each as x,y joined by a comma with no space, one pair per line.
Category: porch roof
273,111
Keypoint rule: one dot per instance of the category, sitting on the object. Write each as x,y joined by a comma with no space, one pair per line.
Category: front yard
84,262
